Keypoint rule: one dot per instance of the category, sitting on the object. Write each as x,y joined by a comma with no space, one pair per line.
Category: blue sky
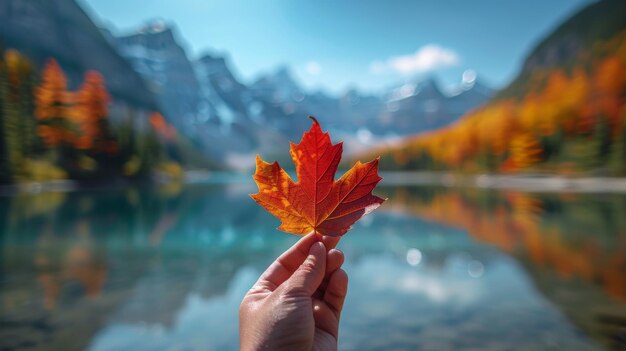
368,44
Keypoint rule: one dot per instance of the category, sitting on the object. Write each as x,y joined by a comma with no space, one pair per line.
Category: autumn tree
609,84
53,107
90,114
525,151
164,130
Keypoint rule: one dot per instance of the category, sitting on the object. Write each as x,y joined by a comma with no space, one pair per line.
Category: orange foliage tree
53,106
164,130
90,114
565,115
525,151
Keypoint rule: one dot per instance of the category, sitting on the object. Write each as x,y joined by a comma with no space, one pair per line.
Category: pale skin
296,303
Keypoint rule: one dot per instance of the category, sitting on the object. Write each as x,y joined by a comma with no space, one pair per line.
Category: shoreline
66,185
518,182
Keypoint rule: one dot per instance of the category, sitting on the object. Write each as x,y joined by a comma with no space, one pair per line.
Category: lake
434,268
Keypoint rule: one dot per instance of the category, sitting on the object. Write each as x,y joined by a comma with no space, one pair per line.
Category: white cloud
427,58
313,68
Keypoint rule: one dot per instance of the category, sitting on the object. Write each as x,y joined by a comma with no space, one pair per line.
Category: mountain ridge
564,112
63,30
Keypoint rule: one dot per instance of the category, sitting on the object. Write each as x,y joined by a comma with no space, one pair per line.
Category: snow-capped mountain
232,119
150,70
155,53
224,100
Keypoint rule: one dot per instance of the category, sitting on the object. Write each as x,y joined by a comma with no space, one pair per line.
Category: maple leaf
317,202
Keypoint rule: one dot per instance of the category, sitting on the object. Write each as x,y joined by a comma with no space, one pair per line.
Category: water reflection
166,267
572,246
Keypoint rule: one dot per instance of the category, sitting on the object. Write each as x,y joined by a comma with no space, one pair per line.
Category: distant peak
429,81
283,72
153,26
469,76
214,63
471,82
209,57
280,76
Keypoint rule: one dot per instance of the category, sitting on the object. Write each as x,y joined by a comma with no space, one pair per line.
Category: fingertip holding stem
319,236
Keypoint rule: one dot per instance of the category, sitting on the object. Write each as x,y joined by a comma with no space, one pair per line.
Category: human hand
296,303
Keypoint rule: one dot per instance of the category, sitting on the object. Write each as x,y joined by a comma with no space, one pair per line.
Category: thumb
308,277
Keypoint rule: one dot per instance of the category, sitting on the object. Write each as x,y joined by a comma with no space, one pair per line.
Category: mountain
597,22
221,101
279,87
470,94
154,53
409,108
231,120
227,118
564,112
422,106
416,107
61,29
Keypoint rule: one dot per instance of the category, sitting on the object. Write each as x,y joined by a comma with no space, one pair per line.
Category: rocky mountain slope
227,118
62,30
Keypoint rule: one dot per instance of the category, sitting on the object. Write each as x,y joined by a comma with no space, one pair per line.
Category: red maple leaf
317,202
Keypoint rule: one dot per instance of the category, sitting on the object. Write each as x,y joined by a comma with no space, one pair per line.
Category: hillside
564,113
62,30
215,113
72,107
562,46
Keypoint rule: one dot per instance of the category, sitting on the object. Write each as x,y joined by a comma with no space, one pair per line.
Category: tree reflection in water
573,246
72,264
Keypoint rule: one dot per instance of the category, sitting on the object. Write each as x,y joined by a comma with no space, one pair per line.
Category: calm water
433,269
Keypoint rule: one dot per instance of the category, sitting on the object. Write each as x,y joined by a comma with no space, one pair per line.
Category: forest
50,132
567,120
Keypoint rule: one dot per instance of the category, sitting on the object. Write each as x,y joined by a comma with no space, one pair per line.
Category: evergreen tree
617,159
16,82
5,170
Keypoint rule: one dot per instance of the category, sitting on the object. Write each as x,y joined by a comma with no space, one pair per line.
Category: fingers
292,258
328,309
308,277
336,291
330,241
325,318
334,260
284,266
